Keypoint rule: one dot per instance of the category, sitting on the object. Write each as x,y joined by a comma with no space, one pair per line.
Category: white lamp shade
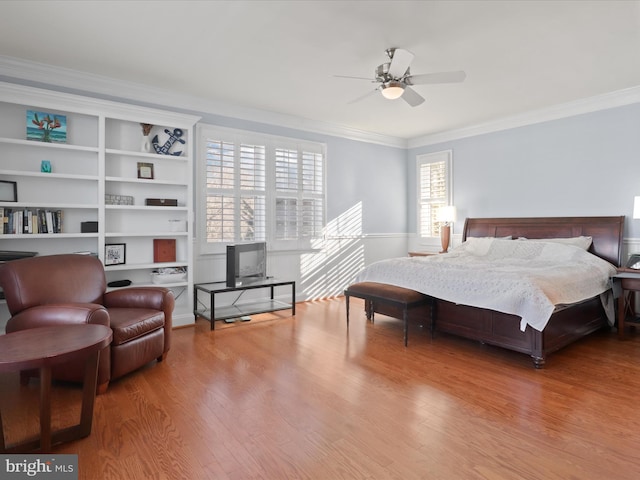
636,207
446,214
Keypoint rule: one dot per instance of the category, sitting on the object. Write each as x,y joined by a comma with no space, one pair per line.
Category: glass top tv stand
206,307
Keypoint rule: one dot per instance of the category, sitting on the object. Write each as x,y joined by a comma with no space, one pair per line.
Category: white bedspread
522,277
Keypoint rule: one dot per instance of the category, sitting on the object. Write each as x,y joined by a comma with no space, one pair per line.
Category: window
434,190
259,188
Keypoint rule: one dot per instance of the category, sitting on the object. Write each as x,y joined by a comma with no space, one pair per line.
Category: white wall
587,165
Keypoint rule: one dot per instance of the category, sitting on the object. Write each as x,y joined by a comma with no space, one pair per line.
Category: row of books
28,221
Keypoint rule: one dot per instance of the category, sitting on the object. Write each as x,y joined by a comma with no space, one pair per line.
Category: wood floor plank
303,398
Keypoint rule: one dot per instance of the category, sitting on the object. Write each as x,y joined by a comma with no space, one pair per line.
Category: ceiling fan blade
400,62
356,78
442,77
368,94
412,97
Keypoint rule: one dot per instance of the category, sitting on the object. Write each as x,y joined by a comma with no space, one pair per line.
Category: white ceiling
281,56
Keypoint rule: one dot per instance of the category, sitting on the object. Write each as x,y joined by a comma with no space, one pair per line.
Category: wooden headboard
605,231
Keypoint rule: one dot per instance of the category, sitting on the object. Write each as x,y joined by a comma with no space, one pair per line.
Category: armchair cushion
131,323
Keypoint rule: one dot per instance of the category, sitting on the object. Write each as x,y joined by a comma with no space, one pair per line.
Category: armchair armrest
155,298
58,314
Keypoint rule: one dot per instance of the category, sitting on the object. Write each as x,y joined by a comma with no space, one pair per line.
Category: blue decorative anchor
173,138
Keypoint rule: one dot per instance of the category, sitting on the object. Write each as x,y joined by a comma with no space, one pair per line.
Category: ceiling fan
395,79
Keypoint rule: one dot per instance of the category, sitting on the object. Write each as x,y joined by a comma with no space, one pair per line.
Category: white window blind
434,190
260,188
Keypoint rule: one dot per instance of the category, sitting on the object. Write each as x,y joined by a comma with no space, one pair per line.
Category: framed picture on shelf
8,191
145,170
46,127
115,254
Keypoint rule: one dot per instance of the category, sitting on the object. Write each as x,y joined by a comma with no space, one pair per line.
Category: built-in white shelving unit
103,148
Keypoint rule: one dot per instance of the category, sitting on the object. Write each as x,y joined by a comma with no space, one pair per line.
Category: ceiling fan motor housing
382,74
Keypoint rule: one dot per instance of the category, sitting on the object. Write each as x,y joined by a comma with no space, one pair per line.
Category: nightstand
627,281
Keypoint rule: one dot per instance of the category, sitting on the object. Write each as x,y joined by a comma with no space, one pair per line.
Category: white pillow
481,245
583,242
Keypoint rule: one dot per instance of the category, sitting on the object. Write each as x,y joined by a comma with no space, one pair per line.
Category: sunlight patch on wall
327,271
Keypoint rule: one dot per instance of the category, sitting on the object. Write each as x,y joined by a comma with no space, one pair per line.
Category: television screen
246,261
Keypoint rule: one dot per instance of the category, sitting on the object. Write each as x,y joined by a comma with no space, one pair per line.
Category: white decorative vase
146,144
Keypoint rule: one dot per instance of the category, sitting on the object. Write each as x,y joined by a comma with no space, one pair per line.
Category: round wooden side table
41,348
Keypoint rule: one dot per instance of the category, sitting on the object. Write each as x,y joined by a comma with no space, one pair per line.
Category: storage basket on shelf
168,275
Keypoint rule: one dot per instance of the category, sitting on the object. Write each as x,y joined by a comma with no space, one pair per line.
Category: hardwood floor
299,398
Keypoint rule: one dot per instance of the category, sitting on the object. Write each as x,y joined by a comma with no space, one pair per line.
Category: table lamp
636,207
446,216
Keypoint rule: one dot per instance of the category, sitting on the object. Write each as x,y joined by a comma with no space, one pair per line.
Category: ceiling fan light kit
392,90
394,78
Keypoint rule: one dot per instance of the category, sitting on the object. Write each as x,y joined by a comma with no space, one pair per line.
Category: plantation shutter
235,199
299,201
260,188
433,190
220,199
252,184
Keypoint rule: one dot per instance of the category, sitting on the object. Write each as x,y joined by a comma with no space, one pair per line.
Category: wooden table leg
2,446
89,394
622,312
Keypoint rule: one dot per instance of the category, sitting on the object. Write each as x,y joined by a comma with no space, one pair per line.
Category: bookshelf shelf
48,176
150,156
42,236
44,145
145,182
146,208
146,234
49,206
144,266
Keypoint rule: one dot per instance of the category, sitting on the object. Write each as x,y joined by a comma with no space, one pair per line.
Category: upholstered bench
396,302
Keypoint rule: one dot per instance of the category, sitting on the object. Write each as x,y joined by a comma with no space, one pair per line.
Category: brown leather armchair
71,288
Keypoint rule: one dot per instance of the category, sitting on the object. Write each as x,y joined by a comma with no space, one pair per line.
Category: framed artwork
8,191
145,170
46,127
115,254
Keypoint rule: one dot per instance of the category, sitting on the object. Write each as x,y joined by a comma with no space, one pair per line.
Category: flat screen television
246,262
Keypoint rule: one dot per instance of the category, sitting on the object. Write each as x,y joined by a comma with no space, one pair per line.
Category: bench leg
432,317
405,317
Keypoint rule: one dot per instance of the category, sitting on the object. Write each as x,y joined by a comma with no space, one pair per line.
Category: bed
567,323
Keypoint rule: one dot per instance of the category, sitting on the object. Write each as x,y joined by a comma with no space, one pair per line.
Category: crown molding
43,74
10,92
605,101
